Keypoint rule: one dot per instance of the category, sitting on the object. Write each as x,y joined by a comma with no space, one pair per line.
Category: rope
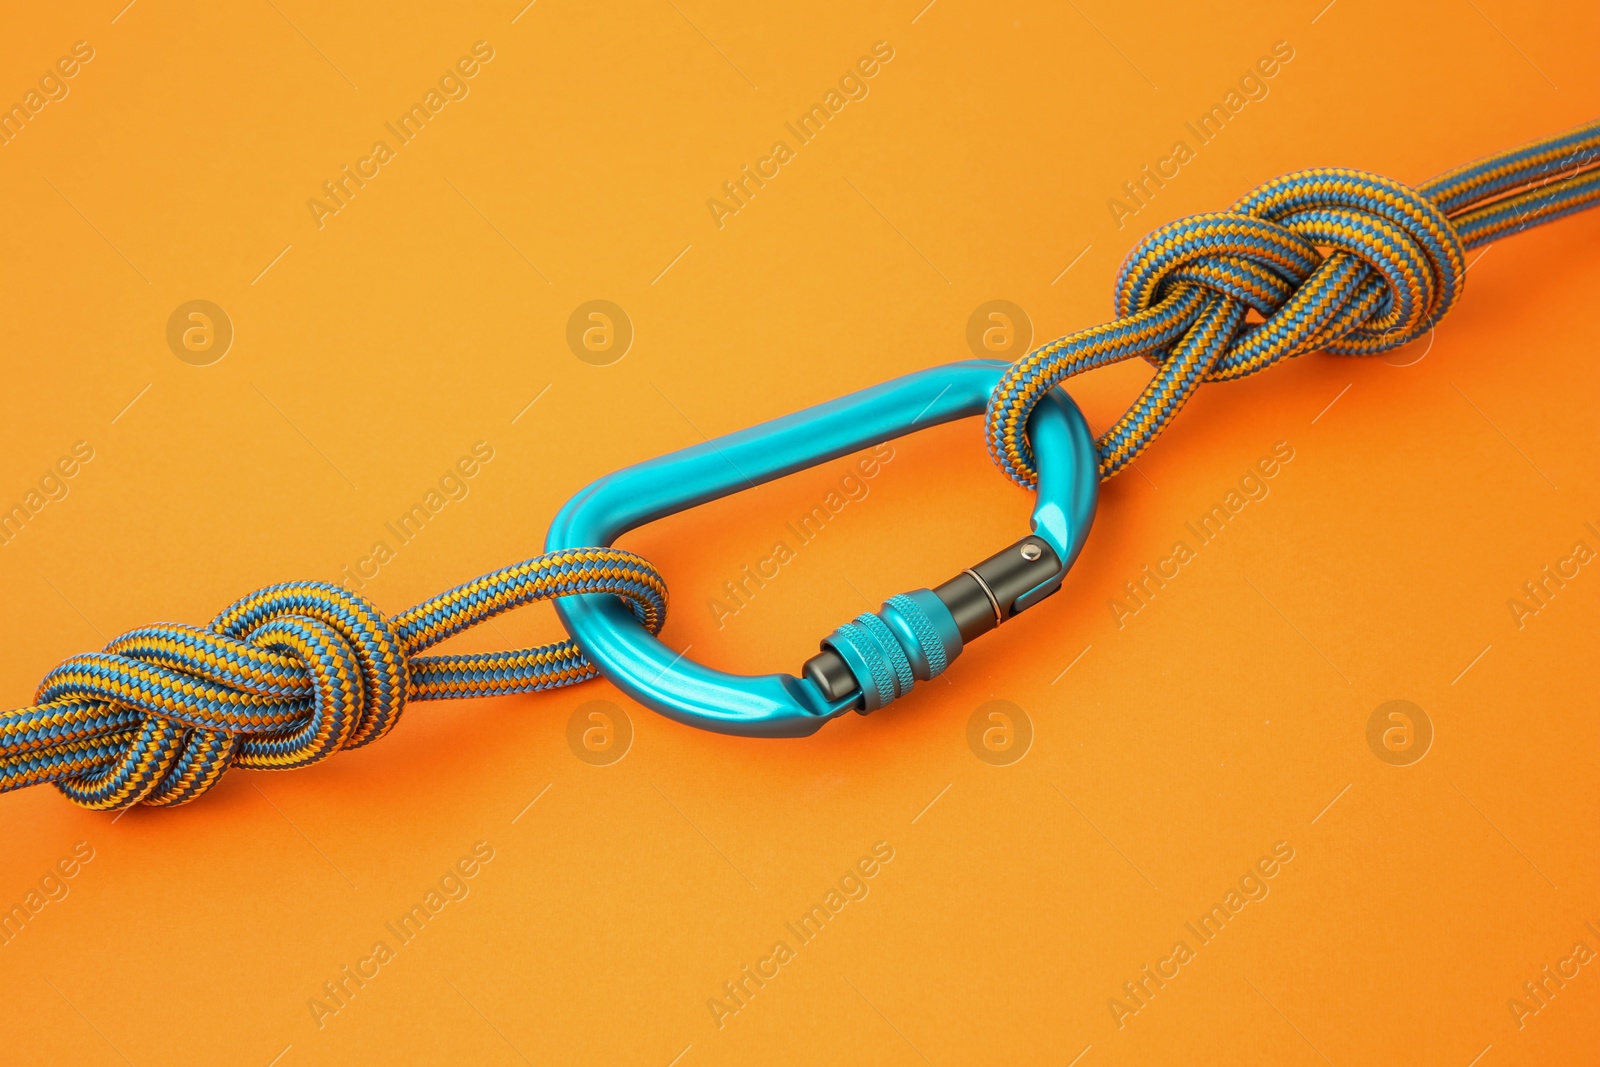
293,673
1394,266
285,678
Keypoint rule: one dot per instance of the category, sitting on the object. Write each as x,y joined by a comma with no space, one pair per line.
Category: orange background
1228,714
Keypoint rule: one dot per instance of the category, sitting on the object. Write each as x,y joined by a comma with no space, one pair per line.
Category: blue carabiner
865,663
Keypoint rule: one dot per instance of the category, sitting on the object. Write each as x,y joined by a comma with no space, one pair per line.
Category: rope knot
1337,260
285,677
288,676
1395,267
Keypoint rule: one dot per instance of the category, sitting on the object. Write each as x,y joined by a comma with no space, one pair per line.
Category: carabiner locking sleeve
870,661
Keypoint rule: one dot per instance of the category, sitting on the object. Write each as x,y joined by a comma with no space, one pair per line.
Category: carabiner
865,663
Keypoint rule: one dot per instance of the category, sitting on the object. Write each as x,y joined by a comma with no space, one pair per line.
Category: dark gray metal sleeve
984,596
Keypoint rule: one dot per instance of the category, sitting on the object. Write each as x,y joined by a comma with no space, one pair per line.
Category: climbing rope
286,677
1395,266
293,673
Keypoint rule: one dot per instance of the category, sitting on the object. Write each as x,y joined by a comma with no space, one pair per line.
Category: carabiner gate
865,663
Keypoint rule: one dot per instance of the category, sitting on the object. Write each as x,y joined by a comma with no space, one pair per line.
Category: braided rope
293,673
1394,267
285,678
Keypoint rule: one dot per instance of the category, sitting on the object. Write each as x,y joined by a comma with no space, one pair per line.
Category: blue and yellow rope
1395,265
293,673
286,677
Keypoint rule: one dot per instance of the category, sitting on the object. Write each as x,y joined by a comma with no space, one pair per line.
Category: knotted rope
293,673
1394,266
285,678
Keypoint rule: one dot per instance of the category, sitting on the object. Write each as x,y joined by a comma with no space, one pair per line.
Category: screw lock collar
916,635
